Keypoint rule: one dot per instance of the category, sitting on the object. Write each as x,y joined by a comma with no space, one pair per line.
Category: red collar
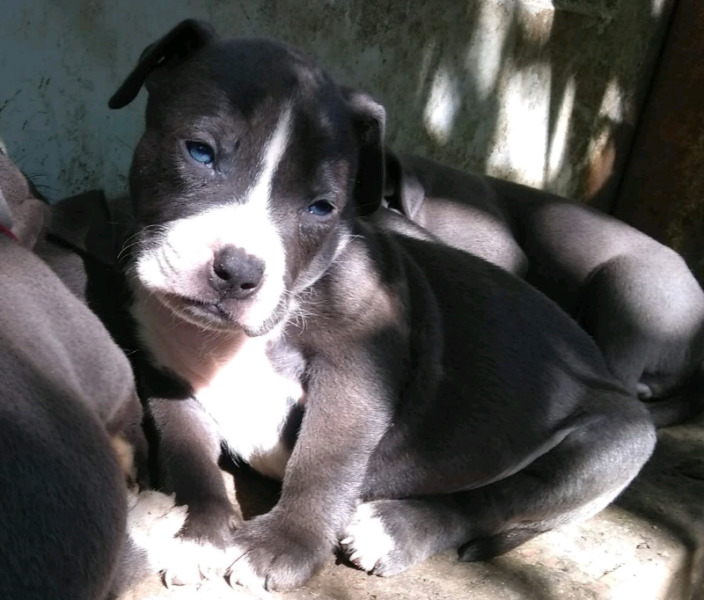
7,232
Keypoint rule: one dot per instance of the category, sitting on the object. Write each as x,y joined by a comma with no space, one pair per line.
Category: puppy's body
636,297
401,387
68,404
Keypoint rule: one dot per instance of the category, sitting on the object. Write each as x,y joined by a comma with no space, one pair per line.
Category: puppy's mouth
220,314
206,313
194,271
208,309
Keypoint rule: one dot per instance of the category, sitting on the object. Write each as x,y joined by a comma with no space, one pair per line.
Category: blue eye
320,208
201,152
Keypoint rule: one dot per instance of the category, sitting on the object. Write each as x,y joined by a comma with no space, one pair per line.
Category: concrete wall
541,92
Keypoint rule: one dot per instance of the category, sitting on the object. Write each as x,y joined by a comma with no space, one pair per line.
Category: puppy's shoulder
364,290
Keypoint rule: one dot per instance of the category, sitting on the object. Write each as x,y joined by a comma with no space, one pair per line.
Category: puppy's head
247,179
20,211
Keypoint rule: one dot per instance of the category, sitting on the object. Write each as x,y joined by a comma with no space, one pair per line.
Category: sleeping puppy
69,415
399,388
636,297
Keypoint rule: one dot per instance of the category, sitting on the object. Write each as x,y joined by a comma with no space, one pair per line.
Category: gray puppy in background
635,296
69,421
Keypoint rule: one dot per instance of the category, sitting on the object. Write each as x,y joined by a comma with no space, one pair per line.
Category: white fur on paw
644,391
153,523
243,574
153,520
366,542
190,562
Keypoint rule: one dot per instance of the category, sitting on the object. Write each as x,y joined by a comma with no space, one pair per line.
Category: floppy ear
403,191
25,215
369,121
182,40
5,213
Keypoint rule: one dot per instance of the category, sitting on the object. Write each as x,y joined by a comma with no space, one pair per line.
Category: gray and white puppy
635,296
69,414
404,391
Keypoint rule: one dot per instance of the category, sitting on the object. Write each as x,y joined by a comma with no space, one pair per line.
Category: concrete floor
648,546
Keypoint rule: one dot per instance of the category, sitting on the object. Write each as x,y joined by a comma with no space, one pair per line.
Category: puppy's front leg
188,453
347,413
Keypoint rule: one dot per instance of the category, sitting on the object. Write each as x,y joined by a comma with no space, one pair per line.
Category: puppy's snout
236,274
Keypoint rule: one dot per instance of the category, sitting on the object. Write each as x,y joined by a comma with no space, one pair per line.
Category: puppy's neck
195,353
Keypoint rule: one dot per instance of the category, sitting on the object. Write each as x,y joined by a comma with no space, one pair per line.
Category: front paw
204,546
272,554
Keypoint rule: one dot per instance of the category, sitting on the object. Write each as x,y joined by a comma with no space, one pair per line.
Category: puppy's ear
5,213
182,40
20,211
7,170
402,191
369,121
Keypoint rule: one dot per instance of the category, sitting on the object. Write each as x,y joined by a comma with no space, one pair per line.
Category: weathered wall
663,187
541,92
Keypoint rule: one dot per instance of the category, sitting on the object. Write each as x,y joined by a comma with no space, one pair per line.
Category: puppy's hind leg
386,537
574,480
644,313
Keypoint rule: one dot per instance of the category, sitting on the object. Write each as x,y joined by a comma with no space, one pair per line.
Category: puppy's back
63,508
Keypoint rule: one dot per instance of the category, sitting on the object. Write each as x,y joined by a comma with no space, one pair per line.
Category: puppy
401,389
69,415
634,296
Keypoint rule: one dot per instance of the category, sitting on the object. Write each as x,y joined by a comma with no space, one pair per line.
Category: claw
192,562
241,573
184,576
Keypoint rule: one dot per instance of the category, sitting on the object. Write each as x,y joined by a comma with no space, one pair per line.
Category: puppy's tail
683,404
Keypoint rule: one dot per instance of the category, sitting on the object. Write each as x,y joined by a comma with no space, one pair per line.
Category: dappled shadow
668,493
520,90
548,98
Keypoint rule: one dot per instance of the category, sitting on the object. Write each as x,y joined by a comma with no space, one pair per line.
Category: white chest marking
233,380
250,402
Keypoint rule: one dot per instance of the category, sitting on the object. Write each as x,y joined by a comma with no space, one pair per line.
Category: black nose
236,274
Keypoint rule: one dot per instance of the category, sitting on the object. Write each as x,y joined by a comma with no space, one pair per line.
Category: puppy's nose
236,274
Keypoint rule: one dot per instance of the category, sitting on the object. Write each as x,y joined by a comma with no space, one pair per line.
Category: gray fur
635,296
68,394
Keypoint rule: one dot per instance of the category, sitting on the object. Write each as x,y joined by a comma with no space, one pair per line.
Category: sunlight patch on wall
612,103
520,144
658,8
442,106
424,70
535,23
560,135
601,151
485,48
